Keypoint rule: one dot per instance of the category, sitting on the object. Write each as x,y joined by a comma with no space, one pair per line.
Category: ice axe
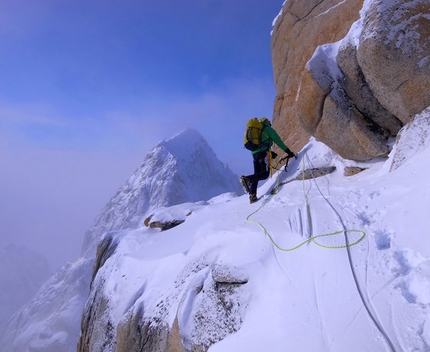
287,158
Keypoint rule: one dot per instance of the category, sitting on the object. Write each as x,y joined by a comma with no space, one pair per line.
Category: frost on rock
200,305
212,308
394,54
412,139
278,16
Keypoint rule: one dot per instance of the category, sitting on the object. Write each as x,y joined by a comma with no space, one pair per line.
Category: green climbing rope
310,239
364,300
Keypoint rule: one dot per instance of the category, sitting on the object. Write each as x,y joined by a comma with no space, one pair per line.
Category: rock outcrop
358,79
412,139
178,177
199,288
300,28
166,218
176,171
394,54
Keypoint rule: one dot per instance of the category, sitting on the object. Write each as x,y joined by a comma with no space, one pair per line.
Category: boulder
357,80
310,174
394,55
334,118
165,218
352,170
307,174
345,130
162,225
356,88
314,22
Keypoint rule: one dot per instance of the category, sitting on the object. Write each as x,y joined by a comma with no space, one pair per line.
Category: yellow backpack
252,138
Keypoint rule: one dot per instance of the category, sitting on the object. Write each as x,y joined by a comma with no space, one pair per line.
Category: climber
261,167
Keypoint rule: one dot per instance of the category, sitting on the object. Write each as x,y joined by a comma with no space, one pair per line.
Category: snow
331,9
22,273
297,295
372,296
181,169
299,286
324,63
50,321
178,177
277,17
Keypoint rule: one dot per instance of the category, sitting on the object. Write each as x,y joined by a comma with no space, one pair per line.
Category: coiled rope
311,238
348,245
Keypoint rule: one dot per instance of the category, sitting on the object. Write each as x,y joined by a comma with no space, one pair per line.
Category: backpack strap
268,142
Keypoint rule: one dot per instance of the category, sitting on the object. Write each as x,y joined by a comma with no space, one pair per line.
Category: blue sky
88,87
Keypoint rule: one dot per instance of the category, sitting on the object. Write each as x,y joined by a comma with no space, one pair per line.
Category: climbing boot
245,183
252,198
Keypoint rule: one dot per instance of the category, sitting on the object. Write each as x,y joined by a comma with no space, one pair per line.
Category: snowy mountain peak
178,170
185,142
339,263
22,273
181,169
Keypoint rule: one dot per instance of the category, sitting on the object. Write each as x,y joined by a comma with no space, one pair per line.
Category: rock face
412,139
298,31
394,54
358,79
200,287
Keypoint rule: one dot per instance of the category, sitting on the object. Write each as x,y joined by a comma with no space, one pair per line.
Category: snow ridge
219,281
181,169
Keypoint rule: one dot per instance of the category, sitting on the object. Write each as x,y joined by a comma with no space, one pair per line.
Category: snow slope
289,292
320,296
373,296
50,321
181,169
22,273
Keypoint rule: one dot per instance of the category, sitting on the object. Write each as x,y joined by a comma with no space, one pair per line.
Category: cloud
58,170
33,114
48,198
90,87
221,111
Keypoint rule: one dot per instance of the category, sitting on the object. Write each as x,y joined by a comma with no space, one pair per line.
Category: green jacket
268,136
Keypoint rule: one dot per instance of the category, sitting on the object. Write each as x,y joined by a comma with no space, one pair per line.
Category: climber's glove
290,153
